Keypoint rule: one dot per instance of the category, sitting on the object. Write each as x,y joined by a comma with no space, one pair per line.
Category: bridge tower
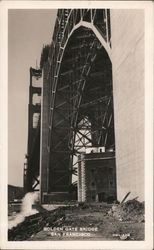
31,167
77,97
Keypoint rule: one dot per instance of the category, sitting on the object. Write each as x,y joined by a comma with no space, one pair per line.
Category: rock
132,210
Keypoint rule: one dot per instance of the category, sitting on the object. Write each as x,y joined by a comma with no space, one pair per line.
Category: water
26,209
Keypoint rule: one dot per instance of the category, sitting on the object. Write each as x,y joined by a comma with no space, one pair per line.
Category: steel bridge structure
77,100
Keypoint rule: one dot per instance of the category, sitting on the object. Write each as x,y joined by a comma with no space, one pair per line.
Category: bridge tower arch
77,85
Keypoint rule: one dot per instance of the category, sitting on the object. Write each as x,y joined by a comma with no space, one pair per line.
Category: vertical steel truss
68,75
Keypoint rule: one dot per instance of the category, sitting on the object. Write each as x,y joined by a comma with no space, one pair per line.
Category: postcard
77,125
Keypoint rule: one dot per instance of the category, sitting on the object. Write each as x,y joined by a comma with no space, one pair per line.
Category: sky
28,30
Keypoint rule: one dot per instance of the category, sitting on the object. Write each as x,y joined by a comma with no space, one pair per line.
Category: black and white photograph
77,172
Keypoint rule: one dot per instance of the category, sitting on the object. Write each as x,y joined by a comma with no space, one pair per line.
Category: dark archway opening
84,90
